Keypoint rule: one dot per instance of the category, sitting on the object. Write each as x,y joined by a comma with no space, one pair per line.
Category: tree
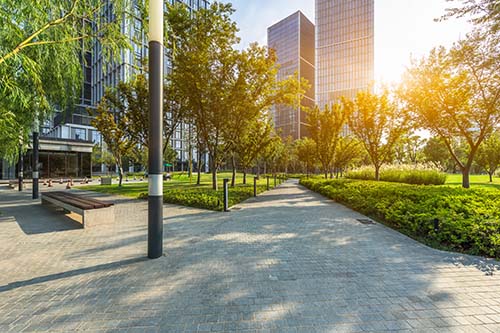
408,149
482,13
257,137
306,153
112,128
220,88
488,155
455,94
348,152
378,123
41,44
326,127
436,152
100,155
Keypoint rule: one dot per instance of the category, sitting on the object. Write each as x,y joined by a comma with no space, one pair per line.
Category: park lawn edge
196,197
460,231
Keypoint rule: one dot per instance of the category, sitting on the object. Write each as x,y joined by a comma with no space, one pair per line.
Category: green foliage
409,174
222,90
378,123
469,220
306,153
454,94
181,191
488,155
41,44
326,127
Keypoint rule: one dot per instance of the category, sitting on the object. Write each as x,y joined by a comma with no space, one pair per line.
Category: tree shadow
278,266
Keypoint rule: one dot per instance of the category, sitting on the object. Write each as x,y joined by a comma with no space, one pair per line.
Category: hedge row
207,198
469,219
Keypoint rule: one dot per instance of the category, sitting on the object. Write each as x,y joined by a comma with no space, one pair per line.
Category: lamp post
36,127
155,178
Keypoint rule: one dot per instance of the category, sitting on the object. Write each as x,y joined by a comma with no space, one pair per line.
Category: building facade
293,41
344,48
100,74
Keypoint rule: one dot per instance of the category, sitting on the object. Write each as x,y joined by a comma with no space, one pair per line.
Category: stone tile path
287,261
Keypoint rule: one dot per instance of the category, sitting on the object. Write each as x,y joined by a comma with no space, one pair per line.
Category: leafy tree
306,153
455,94
221,89
408,149
326,127
436,152
100,155
41,44
349,151
482,13
112,127
169,155
256,138
488,155
378,123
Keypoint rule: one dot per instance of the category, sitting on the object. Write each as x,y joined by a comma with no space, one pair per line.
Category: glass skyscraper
344,48
293,40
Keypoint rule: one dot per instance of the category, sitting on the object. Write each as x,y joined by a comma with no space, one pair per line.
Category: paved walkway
288,261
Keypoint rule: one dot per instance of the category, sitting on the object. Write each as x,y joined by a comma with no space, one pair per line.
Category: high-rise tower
344,48
293,40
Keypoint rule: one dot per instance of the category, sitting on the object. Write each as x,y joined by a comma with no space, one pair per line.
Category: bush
469,218
207,198
409,174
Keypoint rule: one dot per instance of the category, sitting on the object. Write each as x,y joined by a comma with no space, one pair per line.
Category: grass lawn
475,181
180,190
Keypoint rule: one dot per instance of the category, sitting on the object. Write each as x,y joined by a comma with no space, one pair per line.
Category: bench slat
67,196
77,201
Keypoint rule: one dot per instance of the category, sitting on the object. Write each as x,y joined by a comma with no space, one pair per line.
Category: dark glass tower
293,40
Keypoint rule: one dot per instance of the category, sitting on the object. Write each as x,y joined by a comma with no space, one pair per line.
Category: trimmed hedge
207,198
401,174
469,219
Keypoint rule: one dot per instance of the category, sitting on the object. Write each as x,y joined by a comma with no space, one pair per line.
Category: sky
403,28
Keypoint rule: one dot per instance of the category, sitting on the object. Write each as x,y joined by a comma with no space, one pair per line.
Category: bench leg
99,216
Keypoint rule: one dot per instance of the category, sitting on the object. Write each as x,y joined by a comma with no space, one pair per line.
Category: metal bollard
267,182
226,194
436,224
254,186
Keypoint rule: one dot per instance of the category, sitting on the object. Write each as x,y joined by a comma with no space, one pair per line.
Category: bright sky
403,28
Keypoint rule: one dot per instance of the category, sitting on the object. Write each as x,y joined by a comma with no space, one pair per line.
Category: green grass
475,181
183,191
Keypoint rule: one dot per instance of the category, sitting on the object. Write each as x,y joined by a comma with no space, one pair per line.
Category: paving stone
286,261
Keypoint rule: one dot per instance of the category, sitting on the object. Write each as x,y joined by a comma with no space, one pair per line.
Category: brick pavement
287,261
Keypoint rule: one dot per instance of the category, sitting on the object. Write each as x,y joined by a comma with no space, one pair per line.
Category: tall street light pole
36,128
155,171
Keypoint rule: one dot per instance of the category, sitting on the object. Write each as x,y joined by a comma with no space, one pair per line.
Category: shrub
207,198
409,174
469,218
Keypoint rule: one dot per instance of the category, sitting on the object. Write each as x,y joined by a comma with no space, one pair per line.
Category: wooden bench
93,211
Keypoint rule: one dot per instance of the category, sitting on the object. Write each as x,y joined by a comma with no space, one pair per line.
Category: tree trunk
465,177
198,179
258,170
120,174
491,176
233,176
244,177
214,172
377,173
265,168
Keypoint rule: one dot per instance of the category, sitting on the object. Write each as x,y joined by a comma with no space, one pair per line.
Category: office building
293,41
344,48
100,74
